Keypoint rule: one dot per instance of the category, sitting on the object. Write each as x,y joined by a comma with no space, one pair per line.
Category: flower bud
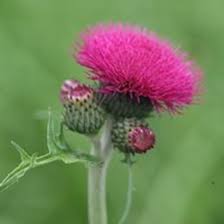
123,105
82,112
131,135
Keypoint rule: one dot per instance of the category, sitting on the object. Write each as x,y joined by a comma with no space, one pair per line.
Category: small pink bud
141,139
132,135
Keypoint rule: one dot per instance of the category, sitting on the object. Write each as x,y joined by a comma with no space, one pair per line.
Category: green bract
121,105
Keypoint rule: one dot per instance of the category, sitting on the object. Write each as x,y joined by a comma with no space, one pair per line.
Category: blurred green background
180,182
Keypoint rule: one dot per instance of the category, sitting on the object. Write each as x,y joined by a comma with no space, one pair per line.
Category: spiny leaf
13,177
50,135
34,161
55,132
58,150
59,136
23,154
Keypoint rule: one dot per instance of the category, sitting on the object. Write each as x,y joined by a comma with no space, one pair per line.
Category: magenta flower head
134,62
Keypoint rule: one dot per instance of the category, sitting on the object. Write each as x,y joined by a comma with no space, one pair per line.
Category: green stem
129,196
97,208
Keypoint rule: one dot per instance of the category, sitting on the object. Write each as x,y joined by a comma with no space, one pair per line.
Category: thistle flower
82,112
132,135
132,61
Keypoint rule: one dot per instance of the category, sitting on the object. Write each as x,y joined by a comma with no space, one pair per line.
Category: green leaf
58,149
50,135
13,177
23,154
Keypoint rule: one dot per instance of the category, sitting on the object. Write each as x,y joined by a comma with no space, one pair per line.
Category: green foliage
27,163
58,149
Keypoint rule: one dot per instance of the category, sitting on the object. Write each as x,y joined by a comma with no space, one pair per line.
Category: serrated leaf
58,150
14,176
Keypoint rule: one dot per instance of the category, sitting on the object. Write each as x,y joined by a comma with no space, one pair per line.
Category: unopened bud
82,112
131,135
